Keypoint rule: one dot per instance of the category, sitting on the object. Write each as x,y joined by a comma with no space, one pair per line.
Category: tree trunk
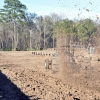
30,43
44,35
40,39
15,40
53,41
12,42
30,40
1,43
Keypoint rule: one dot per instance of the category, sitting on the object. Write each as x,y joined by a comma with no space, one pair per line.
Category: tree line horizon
21,30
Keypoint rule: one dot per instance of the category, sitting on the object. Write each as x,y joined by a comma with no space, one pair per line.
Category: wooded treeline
22,30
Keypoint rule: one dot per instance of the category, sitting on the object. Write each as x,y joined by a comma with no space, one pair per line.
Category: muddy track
33,82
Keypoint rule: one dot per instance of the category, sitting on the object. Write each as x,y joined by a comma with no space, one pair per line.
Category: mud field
23,77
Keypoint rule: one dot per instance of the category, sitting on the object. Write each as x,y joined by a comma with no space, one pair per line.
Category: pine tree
13,11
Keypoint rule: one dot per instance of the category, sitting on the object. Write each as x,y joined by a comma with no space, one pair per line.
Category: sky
71,9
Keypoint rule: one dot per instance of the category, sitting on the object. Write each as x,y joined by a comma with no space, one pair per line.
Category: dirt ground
23,77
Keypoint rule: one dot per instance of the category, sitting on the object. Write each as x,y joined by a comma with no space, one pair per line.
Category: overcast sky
69,8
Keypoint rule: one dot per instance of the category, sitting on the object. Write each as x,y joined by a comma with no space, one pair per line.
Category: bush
18,49
41,48
7,49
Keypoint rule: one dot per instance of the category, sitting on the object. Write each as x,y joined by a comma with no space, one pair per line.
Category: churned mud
23,77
